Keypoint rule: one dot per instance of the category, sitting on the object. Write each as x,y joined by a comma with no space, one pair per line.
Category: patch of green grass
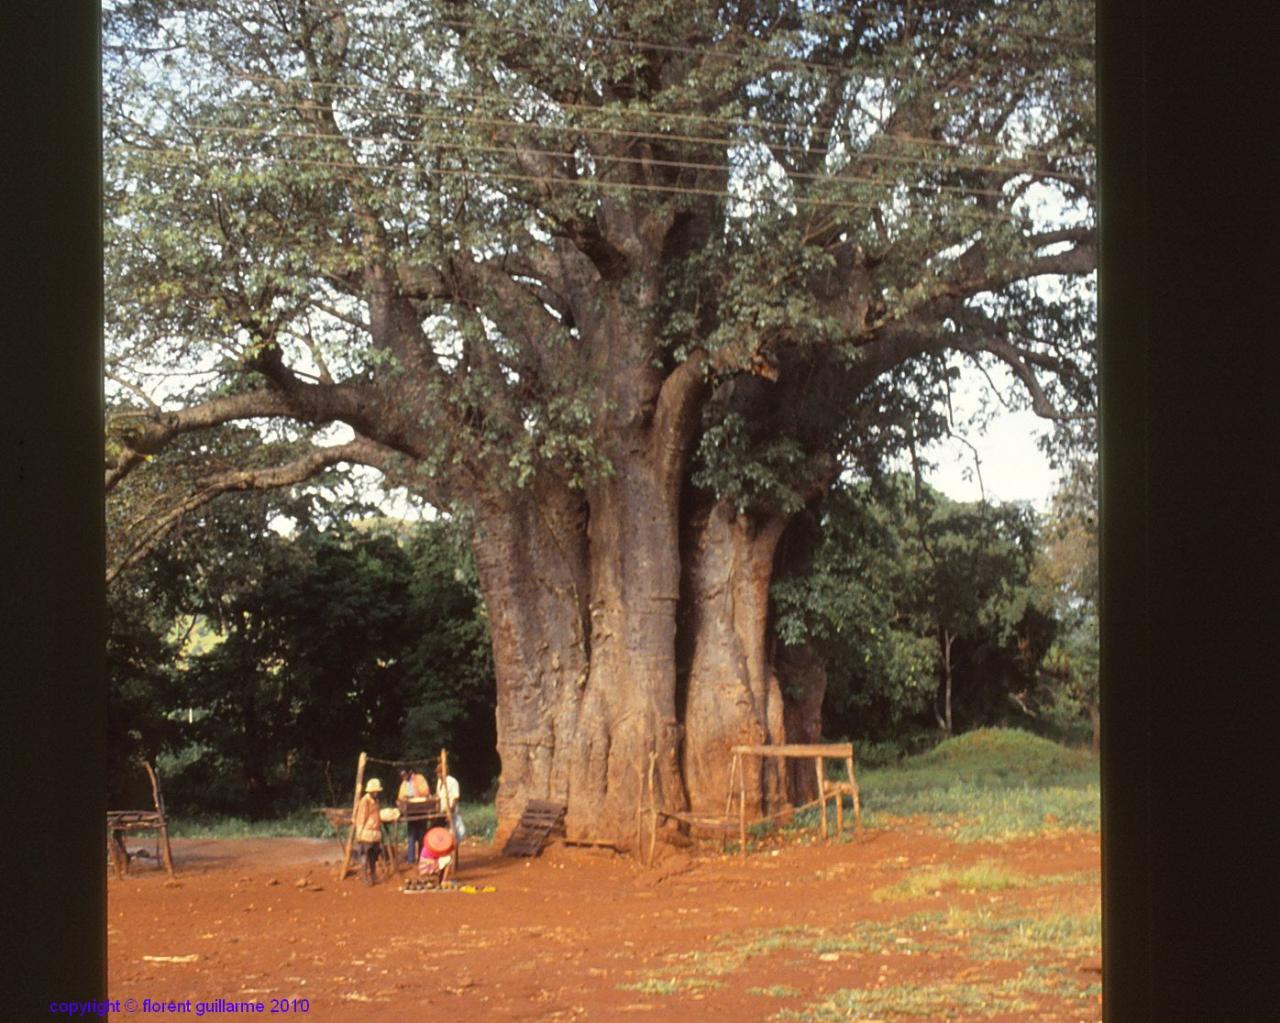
1054,935
948,1000
1057,982
932,1001
714,963
300,824
865,936
989,785
988,758
1043,942
986,876
1008,751
671,985
729,952
755,942
972,814
481,820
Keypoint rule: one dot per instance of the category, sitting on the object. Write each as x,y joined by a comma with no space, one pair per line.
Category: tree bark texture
732,693
629,706
531,558
584,636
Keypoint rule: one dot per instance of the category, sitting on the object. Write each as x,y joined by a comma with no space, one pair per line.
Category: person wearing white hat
368,824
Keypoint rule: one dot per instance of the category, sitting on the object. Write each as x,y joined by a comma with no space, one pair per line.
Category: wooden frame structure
725,824
818,752
121,821
339,818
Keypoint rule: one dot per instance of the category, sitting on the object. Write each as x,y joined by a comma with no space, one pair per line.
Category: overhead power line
649,136
174,157
619,111
568,155
776,59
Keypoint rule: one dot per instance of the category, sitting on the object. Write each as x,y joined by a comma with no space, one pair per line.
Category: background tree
1067,571
525,253
921,624
351,633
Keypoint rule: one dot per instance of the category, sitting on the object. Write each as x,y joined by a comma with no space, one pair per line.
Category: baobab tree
625,285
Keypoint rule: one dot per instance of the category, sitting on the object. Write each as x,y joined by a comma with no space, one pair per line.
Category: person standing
448,793
413,789
368,824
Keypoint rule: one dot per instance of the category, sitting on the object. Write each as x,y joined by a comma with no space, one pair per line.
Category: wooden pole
857,801
839,810
158,799
351,829
728,803
822,795
453,826
164,848
119,854
653,807
639,814
742,812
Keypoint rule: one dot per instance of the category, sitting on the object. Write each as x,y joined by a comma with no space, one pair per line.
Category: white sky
1012,466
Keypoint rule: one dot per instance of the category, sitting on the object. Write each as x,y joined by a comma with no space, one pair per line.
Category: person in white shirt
448,793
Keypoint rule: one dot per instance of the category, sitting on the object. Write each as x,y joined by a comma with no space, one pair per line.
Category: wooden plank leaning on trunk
540,818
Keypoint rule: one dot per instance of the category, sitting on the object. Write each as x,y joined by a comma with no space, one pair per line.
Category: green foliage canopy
888,578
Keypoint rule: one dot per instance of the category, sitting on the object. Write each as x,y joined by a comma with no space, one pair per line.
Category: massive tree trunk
742,685
629,708
531,558
582,610
584,592
732,693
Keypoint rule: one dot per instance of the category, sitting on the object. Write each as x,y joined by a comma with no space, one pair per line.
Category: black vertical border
1187,98
51,517
1125,637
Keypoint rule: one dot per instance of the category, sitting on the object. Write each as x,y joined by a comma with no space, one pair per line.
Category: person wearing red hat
436,863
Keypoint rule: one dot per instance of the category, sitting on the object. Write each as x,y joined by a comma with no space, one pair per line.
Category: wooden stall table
428,810
818,752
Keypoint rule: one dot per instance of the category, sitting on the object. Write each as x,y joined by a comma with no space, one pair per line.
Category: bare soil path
588,934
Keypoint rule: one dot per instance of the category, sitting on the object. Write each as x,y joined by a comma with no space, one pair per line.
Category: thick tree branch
360,451
1017,359
315,403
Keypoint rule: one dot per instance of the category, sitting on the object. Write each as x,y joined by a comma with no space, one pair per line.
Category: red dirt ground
267,918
